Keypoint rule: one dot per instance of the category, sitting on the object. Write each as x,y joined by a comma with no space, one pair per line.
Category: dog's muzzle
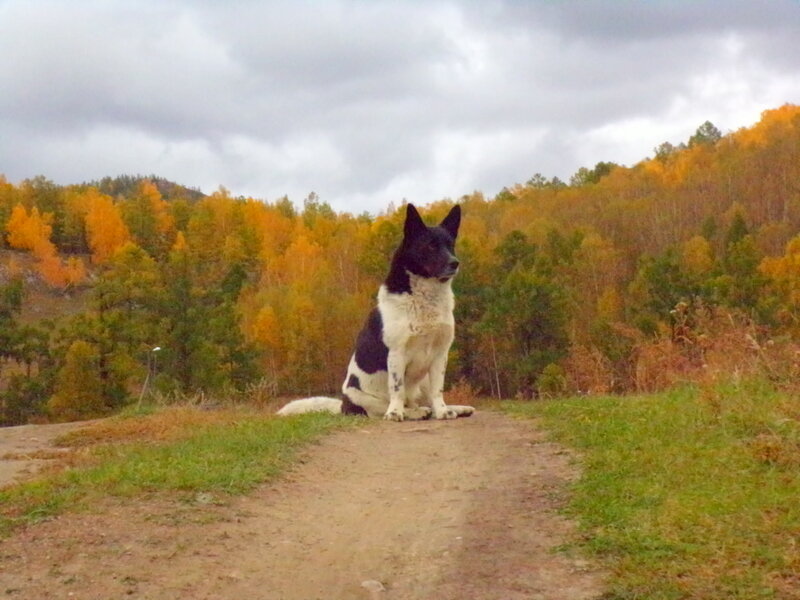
450,272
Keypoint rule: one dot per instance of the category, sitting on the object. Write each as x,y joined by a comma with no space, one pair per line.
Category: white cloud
368,103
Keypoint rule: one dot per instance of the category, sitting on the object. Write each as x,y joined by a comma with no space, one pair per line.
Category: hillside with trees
683,266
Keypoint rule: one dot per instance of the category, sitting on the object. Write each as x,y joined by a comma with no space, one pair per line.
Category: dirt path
26,449
435,510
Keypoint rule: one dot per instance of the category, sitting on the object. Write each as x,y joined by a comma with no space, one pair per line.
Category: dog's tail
315,404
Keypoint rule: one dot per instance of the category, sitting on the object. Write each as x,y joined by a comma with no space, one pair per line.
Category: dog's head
429,251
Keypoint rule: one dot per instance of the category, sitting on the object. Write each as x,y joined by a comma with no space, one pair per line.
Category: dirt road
462,509
26,449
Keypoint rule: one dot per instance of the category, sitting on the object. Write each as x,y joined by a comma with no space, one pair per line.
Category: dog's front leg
438,368
396,365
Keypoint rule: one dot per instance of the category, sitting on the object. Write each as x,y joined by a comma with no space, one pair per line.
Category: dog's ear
414,224
452,221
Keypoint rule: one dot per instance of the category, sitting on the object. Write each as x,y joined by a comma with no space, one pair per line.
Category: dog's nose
453,263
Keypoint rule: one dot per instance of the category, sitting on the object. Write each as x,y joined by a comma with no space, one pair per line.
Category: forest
682,267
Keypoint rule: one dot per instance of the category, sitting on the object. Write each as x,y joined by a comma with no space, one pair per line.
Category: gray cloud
368,103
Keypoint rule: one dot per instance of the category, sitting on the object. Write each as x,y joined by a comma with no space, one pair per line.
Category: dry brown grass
661,364
167,424
705,347
41,454
587,371
776,450
461,392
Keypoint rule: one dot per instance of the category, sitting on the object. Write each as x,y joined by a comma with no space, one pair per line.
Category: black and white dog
398,367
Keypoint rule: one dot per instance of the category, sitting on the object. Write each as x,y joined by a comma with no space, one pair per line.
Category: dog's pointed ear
414,224
452,221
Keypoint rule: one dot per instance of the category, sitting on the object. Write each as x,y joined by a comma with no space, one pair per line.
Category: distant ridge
128,185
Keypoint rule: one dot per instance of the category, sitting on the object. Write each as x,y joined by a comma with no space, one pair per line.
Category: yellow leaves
180,243
783,114
598,263
61,274
105,229
520,217
784,275
684,165
302,261
31,231
233,250
654,168
149,220
277,230
610,305
751,136
763,132
266,328
697,256
27,231
165,222
74,270
473,228
784,269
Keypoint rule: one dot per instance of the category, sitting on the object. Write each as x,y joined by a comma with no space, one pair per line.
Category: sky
372,102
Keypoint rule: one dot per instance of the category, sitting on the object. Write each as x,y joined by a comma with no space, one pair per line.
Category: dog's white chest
419,319
428,313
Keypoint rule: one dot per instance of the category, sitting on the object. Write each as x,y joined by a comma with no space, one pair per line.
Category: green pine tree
79,388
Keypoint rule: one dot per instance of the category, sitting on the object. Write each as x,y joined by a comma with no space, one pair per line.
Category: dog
398,368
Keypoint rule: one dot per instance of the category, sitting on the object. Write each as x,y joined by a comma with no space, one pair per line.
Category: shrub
552,382
78,392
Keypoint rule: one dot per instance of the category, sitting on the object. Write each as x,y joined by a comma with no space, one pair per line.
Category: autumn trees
32,231
703,223
557,282
25,359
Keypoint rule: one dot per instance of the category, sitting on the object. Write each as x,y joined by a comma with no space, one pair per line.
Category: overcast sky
370,102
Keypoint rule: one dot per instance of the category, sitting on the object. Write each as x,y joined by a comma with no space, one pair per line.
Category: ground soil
27,449
436,510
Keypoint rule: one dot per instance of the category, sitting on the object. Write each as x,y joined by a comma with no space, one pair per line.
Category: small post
151,360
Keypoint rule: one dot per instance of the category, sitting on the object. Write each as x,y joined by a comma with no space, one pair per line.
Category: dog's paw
445,413
394,415
418,413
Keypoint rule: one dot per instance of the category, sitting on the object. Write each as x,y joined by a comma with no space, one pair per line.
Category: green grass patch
228,457
693,493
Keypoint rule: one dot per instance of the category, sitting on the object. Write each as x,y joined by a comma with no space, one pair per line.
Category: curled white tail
315,404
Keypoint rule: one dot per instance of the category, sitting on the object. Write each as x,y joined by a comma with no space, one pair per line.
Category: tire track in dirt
462,509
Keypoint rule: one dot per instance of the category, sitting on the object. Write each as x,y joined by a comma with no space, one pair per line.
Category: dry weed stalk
704,346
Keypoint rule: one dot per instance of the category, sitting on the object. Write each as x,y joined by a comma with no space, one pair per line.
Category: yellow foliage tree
697,256
31,231
180,244
610,305
784,276
266,328
106,231
165,222
27,231
149,220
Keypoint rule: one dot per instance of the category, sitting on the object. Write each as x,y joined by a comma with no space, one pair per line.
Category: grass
694,493
179,450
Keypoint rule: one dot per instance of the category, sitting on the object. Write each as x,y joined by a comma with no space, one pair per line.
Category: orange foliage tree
106,232
149,220
31,231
